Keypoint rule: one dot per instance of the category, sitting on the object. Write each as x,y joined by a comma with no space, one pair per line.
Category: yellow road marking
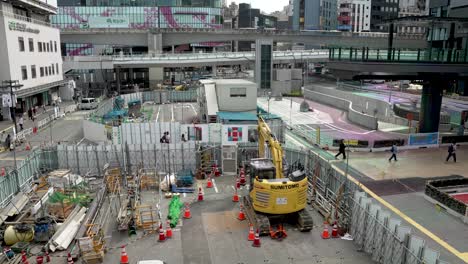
438,240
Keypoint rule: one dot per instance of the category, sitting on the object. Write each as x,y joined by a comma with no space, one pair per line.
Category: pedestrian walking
168,137
34,111
394,151
341,150
8,142
30,113
21,123
163,138
183,138
452,152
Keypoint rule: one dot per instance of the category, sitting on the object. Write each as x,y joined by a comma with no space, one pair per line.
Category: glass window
238,92
53,69
33,71
44,48
51,46
55,46
41,71
31,45
48,47
56,68
21,43
50,70
24,73
39,46
46,71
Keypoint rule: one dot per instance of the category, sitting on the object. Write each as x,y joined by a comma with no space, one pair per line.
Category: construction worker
394,151
341,150
452,152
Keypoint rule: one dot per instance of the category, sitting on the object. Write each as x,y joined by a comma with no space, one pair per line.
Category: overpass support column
155,45
431,102
156,76
214,70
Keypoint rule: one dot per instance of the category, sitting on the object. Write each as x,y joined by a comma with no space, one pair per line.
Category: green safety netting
74,198
175,207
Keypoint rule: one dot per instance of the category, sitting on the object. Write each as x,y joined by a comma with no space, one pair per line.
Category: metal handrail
25,19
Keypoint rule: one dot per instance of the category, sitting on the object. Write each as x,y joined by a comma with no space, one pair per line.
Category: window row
43,71
50,46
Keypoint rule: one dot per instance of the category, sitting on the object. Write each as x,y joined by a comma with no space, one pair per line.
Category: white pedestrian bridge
187,60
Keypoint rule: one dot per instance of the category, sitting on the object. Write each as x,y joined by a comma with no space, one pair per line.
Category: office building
448,8
354,15
382,10
30,53
306,15
328,14
252,18
413,8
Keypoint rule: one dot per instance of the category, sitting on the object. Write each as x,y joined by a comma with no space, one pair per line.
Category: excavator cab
262,169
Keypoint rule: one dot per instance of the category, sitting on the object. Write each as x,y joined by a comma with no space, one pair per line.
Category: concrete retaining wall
354,115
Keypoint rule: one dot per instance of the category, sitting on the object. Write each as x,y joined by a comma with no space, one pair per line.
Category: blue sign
423,139
344,27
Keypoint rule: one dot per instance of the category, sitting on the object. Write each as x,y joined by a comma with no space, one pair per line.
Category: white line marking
172,113
184,194
157,115
214,186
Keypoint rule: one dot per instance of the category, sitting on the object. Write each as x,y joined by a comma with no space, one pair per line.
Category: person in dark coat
452,152
394,151
341,150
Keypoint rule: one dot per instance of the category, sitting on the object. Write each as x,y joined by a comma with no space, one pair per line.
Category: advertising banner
423,139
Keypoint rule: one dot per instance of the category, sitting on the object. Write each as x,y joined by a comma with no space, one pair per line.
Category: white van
88,103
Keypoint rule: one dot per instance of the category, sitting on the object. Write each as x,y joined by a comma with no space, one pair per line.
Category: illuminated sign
16,26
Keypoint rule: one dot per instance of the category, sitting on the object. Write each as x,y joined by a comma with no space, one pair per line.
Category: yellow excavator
277,193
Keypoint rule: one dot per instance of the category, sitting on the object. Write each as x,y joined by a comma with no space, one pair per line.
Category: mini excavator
277,194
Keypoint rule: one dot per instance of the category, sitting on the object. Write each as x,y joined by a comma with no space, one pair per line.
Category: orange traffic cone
123,256
325,233
162,237
168,230
235,197
209,183
187,214
24,258
242,176
251,236
237,183
200,194
256,242
241,215
70,259
47,257
28,147
334,232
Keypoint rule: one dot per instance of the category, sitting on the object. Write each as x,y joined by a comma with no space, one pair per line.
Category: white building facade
30,53
354,15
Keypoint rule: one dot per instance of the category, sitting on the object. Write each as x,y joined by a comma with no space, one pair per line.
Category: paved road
68,129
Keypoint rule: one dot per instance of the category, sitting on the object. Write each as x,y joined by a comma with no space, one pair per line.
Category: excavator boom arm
265,137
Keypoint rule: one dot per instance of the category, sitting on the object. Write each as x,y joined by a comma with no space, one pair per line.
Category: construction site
212,196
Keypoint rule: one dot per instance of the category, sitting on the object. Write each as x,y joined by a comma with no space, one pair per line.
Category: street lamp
12,84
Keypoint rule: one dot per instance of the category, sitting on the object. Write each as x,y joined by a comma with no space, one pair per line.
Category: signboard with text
108,22
423,139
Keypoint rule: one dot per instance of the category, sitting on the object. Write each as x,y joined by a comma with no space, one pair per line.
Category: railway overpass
156,39
187,60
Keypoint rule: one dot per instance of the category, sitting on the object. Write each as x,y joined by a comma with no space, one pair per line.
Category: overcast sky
266,6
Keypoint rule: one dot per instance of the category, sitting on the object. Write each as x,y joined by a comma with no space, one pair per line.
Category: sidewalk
7,125
424,163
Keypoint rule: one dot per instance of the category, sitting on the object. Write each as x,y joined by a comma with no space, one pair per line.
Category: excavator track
304,221
262,222
259,220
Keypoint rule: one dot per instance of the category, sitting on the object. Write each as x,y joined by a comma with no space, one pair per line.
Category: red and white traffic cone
47,257
251,236
217,173
123,256
24,258
334,232
168,230
242,176
200,194
187,214
241,216
39,259
237,183
235,197
325,232
162,237
209,183
256,242
70,259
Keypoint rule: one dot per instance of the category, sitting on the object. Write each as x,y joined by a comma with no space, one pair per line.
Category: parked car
88,103
378,81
